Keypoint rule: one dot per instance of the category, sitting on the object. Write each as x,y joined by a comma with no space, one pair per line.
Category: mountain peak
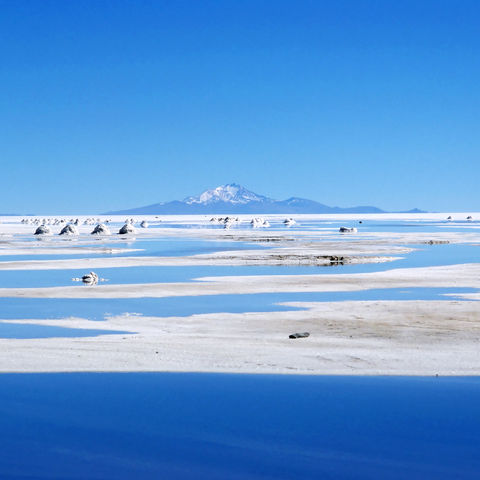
233,198
231,193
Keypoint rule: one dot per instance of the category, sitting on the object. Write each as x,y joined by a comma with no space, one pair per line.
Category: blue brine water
209,426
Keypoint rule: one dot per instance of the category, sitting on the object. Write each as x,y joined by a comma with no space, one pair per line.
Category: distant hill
235,199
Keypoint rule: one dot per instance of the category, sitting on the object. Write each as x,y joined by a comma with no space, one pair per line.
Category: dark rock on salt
299,335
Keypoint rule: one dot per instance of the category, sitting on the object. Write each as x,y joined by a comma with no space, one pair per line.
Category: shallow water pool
99,308
259,427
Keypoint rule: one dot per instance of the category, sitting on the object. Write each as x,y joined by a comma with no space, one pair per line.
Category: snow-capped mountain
235,199
230,193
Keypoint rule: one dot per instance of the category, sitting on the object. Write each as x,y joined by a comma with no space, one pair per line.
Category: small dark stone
299,335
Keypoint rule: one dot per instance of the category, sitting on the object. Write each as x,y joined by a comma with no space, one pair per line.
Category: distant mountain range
235,199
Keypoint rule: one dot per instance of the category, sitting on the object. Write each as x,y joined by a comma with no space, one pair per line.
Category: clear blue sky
114,104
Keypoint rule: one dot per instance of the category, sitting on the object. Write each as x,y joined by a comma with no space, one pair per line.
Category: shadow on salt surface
26,331
99,309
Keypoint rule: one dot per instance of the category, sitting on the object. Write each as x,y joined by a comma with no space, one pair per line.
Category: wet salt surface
364,224
169,247
99,308
374,226
163,247
424,256
181,247
189,246
24,331
192,426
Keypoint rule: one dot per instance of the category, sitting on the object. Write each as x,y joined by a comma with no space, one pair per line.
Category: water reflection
191,426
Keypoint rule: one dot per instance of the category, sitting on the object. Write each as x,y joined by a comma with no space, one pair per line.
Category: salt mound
43,230
101,229
259,223
69,230
127,228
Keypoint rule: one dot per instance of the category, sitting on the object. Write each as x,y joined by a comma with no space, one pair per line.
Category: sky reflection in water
191,426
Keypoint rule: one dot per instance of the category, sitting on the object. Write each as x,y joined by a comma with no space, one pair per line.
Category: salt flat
367,338
416,337
466,276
